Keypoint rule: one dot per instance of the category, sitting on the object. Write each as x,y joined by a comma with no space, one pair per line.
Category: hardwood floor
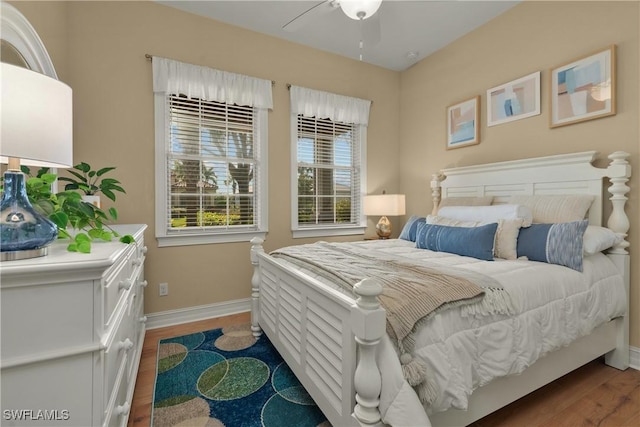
594,395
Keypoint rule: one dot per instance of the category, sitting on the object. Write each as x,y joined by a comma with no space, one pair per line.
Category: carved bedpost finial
436,195
256,248
619,172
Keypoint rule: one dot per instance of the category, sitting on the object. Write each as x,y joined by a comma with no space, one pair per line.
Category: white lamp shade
384,205
37,118
354,8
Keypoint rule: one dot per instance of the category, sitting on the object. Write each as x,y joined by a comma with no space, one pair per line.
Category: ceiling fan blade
309,15
371,30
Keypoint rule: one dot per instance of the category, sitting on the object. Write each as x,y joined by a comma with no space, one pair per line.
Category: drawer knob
144,283
144,250
126,344
143,319
137,261
125,284
123,409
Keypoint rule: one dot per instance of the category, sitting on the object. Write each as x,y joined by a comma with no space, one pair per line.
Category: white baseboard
193,314
634,358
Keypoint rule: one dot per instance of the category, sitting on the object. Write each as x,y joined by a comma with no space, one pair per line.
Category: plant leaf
84,247
60,219
114,213
109,194
84,167
72,247
104,170
127,238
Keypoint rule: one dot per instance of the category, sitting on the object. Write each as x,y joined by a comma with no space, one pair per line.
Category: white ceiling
418,26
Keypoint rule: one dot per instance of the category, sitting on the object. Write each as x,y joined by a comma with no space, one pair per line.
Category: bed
339,347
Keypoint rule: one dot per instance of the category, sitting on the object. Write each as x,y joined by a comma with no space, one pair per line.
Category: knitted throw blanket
412,291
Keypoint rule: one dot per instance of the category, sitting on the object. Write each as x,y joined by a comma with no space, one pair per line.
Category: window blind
328,172
211,164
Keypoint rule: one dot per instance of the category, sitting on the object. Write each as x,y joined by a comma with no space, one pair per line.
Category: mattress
554,306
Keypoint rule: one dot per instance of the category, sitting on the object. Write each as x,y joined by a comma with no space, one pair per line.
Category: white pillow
597,239
466,201
491,213
550,209
506,240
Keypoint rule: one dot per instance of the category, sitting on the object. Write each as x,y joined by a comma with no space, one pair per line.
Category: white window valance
339,108
195,81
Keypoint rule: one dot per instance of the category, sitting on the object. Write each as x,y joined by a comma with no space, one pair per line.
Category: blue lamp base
24,233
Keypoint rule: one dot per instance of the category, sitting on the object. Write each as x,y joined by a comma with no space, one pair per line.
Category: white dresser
72,328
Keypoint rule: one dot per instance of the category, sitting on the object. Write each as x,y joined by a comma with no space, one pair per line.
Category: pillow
597,239
476,242
554,243
491,213
552,209
466,201
410,227
506,234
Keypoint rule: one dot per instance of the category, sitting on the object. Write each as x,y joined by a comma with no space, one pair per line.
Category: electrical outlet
164,289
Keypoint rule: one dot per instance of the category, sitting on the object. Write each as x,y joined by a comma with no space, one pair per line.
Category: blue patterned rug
225,377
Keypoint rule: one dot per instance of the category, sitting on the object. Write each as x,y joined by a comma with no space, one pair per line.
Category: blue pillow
409,230
553,243
476,242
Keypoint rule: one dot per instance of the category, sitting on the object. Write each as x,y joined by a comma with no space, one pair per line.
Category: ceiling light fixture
360,9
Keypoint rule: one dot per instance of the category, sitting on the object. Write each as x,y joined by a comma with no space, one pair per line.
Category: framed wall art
463,123
583,89
515,100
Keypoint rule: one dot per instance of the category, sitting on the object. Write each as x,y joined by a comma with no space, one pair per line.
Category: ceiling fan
359,10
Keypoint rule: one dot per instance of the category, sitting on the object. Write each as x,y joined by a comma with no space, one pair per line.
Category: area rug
226,377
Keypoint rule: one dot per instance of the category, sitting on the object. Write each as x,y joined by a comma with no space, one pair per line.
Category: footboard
320,332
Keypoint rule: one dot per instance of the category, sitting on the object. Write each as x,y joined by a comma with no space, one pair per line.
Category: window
210,155
328,163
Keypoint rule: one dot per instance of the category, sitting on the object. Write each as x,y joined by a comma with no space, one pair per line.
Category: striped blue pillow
411,227
476,242
553,243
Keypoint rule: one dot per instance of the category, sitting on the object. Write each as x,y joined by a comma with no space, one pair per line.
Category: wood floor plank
613,403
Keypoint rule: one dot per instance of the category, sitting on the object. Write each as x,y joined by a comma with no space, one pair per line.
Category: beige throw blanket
412,292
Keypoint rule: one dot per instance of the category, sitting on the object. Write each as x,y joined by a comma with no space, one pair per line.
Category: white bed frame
330,342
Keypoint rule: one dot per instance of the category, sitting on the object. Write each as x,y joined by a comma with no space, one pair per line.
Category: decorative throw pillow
506,234
410,227
491,213
551,209
554,243
598,239
476,242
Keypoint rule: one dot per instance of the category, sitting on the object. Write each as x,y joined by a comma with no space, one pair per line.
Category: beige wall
98,49
534,36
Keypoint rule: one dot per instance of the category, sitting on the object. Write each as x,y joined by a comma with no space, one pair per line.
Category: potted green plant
76,219
91,182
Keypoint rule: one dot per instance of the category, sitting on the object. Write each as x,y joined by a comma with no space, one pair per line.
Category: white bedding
555,305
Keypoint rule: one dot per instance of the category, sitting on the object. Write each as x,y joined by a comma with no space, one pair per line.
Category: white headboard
560,174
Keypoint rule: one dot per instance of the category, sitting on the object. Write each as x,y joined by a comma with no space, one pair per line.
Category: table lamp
37,127
385,205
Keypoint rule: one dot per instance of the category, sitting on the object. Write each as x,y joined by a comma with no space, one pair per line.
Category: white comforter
555,305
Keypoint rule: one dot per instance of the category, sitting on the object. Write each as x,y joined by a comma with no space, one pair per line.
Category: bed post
436,195
619,172
256,248
368,324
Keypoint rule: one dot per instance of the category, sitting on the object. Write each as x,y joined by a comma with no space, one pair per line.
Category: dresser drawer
123,344
118,407
116,285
